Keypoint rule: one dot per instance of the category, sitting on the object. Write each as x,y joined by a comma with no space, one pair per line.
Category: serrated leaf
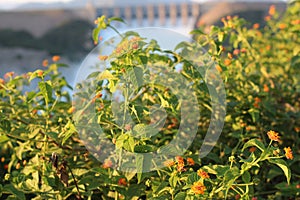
221,36
105,75
256,143
46,91
197,31
193,177
118,19
246,177
284,167
129,144
4,138
121,139
5,125
93,75
254,114
144,148
135,76
70,130
181,45
143,130
173,181
180,196
95,34
143,164
12,190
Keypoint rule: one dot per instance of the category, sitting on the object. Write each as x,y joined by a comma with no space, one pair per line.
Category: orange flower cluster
282,26
45,63
267,18
107,164
122,182
256,25
243,50
169,163
203,174
40,73
55,58
273,135
272,10
9,74
198,188
128,128
227,62
288,153
71,110
295,22
229,21
266,88
190,161
127,45
180,164
236,52
257,101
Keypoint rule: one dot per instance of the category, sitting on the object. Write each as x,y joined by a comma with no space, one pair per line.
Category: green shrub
43,156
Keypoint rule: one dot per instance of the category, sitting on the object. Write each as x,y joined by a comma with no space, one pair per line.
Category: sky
10,4
7,4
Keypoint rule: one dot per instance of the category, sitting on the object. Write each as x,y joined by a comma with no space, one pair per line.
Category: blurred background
34,30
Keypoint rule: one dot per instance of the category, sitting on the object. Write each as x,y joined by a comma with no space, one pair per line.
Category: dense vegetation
256,157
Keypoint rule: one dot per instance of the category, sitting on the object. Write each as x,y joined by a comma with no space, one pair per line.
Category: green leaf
129,174
46,90
193,177
100,26
295,60
256,143
23,147
5,125
254,114
180,196
230,177
129,144
95,34
164,103
106,75
93,75
246,177
144,148
1,190
144,131
4,138
12,190
118,19
143,164
125,141
182,45
70,129
173,181
221,36
197,32
135,76
283,165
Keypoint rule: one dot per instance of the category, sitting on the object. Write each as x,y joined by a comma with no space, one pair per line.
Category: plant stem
75,182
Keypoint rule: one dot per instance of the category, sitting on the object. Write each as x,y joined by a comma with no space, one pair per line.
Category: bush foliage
256,157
